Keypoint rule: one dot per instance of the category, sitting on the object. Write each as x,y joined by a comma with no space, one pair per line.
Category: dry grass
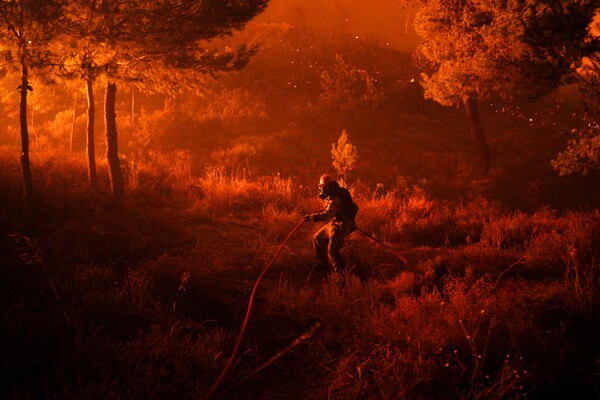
497,304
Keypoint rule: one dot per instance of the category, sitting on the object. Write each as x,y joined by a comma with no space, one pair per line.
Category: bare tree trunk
132,107
34,131
112,152
25,164
90,146
477,134
73,124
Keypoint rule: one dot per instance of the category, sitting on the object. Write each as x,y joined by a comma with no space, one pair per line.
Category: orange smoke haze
386,21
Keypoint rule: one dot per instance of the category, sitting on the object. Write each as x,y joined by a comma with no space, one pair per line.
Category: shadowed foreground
147,302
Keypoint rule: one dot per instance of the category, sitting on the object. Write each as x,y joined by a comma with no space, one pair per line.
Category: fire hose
238,342
394,252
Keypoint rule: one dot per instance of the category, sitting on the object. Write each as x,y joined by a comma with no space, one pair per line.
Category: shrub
423,220
344,155
225,194
376,214
507,231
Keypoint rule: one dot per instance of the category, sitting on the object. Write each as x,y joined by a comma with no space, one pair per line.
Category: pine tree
582,155
474,50
344,155
155,46
26,45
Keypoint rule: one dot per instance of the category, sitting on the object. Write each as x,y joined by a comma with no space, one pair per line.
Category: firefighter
340,212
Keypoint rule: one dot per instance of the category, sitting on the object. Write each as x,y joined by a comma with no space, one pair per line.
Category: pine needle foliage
344,155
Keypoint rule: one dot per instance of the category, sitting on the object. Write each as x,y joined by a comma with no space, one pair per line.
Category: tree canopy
510,49
477,49
159,45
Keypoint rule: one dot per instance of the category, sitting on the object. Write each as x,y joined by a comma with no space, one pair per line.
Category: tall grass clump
169,179
415,217
12,185
425,220
224,193
518,228
59,183
166,176
570,250
277,222
471,218
376,214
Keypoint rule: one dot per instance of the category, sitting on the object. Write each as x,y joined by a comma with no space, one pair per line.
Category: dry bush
375,214
488,352
12,186
166,175
391,344
278,222
226,194
569,236
570,250
518,228
125,337
60,184
471,218
415,217
551,246
472,263
421,219
508,231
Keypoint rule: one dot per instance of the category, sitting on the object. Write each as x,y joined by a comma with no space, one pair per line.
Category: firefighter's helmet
326,186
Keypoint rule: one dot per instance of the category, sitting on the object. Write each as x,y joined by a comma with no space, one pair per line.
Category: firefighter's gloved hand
308,218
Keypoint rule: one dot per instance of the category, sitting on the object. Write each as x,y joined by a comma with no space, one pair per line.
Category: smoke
387,22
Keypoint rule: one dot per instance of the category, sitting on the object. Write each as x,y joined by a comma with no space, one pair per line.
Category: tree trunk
33,130
90,147
25,164
132,107
112,152
477,134
73,124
